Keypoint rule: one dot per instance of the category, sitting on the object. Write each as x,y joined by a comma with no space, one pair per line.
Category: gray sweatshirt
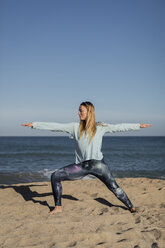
83,150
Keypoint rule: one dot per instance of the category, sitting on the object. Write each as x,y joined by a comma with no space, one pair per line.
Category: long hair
88,126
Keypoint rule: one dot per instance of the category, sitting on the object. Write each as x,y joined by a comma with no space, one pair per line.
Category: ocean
33,159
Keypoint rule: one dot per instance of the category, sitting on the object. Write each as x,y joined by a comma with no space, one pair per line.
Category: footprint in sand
75,219
162,205
53,245
128,229
100,229
154,245
156,233
103,210
94,195
121,240
137,220
115,211
101,243
72,244
144,191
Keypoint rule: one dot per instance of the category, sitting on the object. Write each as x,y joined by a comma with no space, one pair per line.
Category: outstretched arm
52,126
124,127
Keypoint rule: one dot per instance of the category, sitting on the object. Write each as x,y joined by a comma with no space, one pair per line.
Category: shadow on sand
29,195
107,203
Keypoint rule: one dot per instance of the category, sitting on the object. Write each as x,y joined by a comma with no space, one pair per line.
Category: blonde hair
88,126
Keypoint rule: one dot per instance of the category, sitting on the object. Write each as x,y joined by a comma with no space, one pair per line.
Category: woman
88,136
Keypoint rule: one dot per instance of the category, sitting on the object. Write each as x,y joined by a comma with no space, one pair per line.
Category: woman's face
83,112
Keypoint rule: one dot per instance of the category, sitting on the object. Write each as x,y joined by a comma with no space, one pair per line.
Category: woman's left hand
145,125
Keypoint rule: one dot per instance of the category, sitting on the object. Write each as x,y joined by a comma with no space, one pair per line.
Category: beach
92,216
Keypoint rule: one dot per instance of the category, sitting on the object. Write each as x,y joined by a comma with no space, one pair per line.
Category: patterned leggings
98,168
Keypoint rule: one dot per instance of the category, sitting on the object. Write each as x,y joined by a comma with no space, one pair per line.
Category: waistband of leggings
93,160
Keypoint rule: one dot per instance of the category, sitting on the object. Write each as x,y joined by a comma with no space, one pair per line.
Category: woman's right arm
52,126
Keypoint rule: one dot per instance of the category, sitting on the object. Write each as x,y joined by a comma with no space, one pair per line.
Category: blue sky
56,54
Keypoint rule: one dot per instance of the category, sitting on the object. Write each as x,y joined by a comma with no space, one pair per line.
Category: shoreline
92,216
88,177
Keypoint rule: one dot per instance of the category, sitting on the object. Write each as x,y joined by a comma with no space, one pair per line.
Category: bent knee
55,176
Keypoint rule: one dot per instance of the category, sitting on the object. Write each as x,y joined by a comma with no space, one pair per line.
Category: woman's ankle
132,209
58,206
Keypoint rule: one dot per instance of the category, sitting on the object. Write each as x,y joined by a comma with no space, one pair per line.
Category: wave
45,174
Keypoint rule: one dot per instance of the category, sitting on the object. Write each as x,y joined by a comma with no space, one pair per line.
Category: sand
92,216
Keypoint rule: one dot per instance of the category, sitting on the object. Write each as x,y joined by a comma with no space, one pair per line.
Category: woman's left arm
124,127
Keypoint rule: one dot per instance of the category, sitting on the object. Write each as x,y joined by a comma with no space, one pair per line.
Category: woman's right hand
30,124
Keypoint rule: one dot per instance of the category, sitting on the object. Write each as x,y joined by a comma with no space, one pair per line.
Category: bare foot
57,209
136,210
133,210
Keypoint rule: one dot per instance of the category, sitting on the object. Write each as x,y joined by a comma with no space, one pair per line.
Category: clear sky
56,54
